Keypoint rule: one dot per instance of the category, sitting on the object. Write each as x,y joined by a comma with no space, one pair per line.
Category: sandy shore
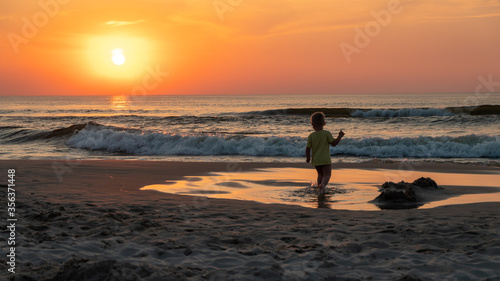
88,220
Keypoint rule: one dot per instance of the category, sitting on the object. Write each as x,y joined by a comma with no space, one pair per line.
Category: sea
444,128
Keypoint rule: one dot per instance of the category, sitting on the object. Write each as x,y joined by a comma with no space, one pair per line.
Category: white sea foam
174,144
155,143
469,146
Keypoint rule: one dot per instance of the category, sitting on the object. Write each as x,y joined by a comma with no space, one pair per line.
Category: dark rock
397,195
426,183
403,195
398,186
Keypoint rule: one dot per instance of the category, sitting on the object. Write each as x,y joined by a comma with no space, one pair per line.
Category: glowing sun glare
118,58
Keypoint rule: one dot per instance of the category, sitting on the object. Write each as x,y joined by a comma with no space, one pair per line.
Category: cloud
455,10
113,23
6,17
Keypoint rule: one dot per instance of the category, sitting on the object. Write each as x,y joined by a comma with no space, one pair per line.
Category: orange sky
64,47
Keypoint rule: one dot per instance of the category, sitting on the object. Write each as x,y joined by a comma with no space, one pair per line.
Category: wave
388,113
93,111
340,112
405,112
17,134
468,146
156,143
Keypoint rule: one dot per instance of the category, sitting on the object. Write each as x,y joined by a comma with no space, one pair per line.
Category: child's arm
337,140
308,154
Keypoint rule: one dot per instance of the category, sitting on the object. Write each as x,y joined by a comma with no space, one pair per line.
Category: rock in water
398,186
426,183
396,193
403,195
398,196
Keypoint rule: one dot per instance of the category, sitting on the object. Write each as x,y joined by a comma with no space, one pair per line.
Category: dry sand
88,220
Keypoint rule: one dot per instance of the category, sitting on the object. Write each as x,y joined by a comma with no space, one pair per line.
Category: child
319,142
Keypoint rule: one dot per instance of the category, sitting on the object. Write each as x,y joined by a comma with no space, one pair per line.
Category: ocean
457,128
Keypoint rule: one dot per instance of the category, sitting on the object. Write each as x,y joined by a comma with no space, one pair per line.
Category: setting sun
118,58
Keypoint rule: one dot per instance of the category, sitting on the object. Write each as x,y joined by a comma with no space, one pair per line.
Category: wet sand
349,189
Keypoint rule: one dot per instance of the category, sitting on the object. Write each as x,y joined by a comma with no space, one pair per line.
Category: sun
118,58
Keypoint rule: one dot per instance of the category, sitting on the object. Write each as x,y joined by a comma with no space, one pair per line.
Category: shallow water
349,189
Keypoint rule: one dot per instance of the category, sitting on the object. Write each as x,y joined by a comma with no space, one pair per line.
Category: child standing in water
319,142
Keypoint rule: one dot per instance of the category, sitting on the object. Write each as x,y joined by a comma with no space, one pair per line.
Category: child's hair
317,119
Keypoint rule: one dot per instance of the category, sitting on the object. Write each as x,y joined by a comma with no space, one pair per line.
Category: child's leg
327,174
319,169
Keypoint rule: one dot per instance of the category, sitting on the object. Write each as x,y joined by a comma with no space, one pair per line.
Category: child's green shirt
319,142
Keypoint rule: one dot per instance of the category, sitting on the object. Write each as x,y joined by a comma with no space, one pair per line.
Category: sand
89,220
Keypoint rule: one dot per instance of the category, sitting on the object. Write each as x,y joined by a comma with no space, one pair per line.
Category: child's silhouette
319,142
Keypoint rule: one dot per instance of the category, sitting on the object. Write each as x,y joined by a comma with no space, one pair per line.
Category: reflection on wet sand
351,189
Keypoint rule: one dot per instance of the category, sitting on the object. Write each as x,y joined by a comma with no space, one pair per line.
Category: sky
231,47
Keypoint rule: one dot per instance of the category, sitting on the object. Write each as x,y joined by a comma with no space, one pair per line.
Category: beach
192,140
90,220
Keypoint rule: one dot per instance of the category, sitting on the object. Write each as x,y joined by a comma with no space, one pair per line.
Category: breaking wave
159,143
371,113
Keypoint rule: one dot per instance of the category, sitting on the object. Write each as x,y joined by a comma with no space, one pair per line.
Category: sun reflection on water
119,102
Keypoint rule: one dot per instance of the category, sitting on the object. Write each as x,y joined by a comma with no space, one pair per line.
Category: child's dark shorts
320,167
